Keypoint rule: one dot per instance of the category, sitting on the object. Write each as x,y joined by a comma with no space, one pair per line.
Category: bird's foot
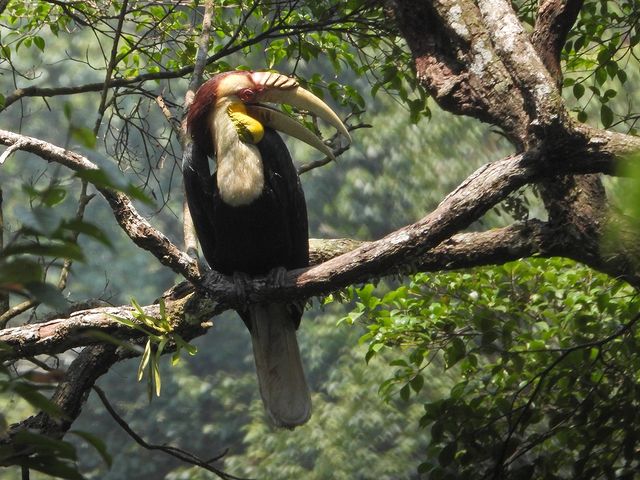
277,276
240,283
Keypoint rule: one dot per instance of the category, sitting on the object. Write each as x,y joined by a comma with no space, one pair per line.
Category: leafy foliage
598,52
543,357
32,450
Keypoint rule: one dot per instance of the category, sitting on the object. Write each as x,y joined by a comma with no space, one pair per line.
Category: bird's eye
247,95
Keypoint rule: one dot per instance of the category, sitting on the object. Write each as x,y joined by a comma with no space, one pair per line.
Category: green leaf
405,393
56,250
89,229
19,270
53,195
39,42
458,390
601,76
97,443
175,357
36,399
45,444
101,179
606,116
181,343
578,90
454,352
48,294
105,337
146,356
582,116
163,309
52,466
447,454
369,355
622,76
43,220
155,370
68,110
417,382
84,136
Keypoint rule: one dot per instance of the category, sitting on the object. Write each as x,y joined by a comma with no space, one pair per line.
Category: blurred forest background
376,383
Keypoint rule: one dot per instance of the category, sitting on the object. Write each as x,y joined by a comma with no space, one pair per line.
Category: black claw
240,282
277,276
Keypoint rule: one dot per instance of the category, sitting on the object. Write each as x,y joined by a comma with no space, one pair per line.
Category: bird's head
241,95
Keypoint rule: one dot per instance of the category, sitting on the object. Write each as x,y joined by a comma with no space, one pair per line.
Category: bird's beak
277,88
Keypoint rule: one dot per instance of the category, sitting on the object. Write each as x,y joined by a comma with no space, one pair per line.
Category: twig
461,251
15,311
337,151
201,54
10,149
178,453
113,60
83,201
188,231
4,296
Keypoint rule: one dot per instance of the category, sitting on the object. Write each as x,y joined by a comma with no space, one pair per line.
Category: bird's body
268,232
250,215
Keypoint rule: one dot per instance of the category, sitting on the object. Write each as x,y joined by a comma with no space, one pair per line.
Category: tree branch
511,43
399,252
113,60
189,313
555,19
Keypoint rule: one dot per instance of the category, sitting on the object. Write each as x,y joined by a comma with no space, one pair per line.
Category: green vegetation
532,365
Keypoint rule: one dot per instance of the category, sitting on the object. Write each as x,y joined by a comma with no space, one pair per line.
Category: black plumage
270,232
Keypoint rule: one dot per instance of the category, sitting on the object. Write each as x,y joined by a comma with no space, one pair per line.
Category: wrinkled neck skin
239,174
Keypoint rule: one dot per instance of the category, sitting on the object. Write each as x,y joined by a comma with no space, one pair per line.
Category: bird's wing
281,175
200,190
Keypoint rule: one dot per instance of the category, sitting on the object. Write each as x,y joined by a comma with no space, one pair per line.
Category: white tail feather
281,378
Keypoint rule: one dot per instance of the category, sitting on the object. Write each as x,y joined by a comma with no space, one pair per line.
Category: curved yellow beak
278,88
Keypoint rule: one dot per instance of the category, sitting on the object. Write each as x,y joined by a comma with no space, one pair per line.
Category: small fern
160,332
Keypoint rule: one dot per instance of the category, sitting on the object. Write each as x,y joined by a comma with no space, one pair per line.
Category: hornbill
250,216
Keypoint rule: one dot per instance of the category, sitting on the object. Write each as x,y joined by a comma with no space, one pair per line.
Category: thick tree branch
78,329
555,19
189,313
456,63
603,152
399,252
477,59
511,43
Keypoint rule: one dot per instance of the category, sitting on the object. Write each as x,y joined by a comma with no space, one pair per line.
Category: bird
250,214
